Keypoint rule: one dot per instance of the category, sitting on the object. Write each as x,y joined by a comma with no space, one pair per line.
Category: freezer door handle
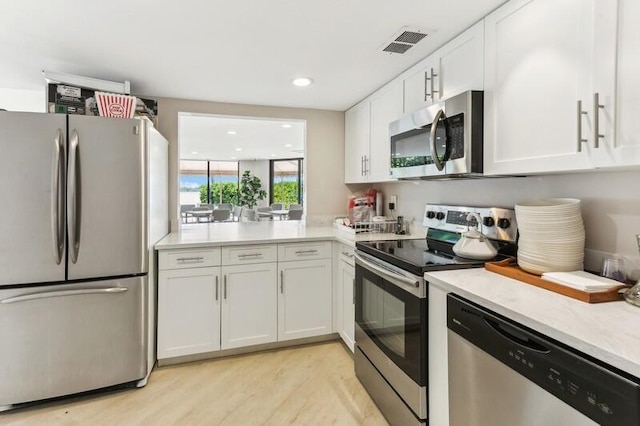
73,198
57,197
64,293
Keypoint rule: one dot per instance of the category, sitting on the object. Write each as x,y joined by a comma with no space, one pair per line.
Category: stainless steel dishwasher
504,374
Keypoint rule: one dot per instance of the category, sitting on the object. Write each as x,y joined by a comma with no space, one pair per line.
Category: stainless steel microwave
443,140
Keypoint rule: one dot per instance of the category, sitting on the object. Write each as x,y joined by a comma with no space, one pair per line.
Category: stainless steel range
391,354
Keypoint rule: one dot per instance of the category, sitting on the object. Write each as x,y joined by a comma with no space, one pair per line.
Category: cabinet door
537,67
347,278
188,311
249,305
356,142
385,108
304,299
461,63
622,147
417,87
438,357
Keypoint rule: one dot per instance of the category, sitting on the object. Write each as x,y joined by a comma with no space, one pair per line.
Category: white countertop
216,234
608,331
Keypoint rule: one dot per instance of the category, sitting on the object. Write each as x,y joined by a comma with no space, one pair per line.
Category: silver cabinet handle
73,198
217,278
306,251
432,140
354,291
362,165
433,77
57,198
61,293
426,85
224,291
242,256
281,282
579,124
190,259
349,255
596,120
366,165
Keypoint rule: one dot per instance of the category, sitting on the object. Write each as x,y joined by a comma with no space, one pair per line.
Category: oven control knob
504,223
439,215
488,221
431,214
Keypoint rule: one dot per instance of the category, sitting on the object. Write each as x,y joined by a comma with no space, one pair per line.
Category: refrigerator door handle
73,198
57,197
61,293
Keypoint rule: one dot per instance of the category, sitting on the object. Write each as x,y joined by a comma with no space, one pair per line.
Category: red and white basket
114,105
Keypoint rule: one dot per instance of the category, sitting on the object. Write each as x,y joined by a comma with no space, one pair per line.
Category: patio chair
249,215
295,214
220,215
293,206
184,211
237,213
265,212
227,206
276,206
202,212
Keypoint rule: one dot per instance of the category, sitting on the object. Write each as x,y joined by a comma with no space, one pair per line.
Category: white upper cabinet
537,73
454,68
386,106
356,146
618,84
367,155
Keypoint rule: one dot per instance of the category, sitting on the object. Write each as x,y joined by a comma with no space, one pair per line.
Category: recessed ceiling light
194,152
233,158
286,126
238,149
273,155
302,81
288,145
231,132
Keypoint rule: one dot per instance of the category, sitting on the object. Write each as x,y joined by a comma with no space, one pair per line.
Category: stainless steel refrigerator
83,200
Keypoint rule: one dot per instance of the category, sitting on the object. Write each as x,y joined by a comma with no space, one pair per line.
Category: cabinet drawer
237,255
179,259
304,251
346,254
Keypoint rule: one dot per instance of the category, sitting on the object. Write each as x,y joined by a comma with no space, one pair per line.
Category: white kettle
473,244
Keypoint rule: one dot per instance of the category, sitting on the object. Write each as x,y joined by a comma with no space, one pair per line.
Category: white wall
23,100
260,169
610,201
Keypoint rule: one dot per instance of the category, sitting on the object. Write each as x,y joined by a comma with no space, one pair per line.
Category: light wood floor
309,385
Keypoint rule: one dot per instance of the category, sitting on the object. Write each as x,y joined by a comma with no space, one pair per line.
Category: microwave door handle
432,140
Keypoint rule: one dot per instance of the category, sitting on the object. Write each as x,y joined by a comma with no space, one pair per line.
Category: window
286,182
208,182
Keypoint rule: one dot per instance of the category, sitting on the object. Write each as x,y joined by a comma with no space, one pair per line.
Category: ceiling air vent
404,40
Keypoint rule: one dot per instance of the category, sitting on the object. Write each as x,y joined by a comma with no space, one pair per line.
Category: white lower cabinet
304,299
346,277
217,299
188,304
249,305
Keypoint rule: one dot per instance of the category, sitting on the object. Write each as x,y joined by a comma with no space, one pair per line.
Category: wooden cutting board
509,268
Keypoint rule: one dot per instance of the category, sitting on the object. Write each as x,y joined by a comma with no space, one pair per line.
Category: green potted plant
250,190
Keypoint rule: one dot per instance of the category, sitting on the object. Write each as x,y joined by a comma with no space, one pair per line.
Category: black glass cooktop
417,257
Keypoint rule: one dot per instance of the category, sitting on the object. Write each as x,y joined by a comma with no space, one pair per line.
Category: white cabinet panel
238,255
461,63
188,311
535,74
417,86
304,303
438,358
304,251
346,278
386,107
249,305
356,146
179,259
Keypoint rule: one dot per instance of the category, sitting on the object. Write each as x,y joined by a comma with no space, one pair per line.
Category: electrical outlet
394,199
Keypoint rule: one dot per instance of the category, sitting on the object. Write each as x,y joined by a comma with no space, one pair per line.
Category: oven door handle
387,273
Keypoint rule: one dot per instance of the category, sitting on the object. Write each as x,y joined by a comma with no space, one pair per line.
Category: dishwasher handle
516,336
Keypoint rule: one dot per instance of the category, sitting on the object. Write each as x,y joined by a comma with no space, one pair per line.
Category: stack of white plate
551,235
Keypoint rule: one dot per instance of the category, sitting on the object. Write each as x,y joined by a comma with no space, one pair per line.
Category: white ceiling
207,137
228,51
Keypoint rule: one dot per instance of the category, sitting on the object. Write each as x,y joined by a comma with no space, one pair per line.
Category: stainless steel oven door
391,326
